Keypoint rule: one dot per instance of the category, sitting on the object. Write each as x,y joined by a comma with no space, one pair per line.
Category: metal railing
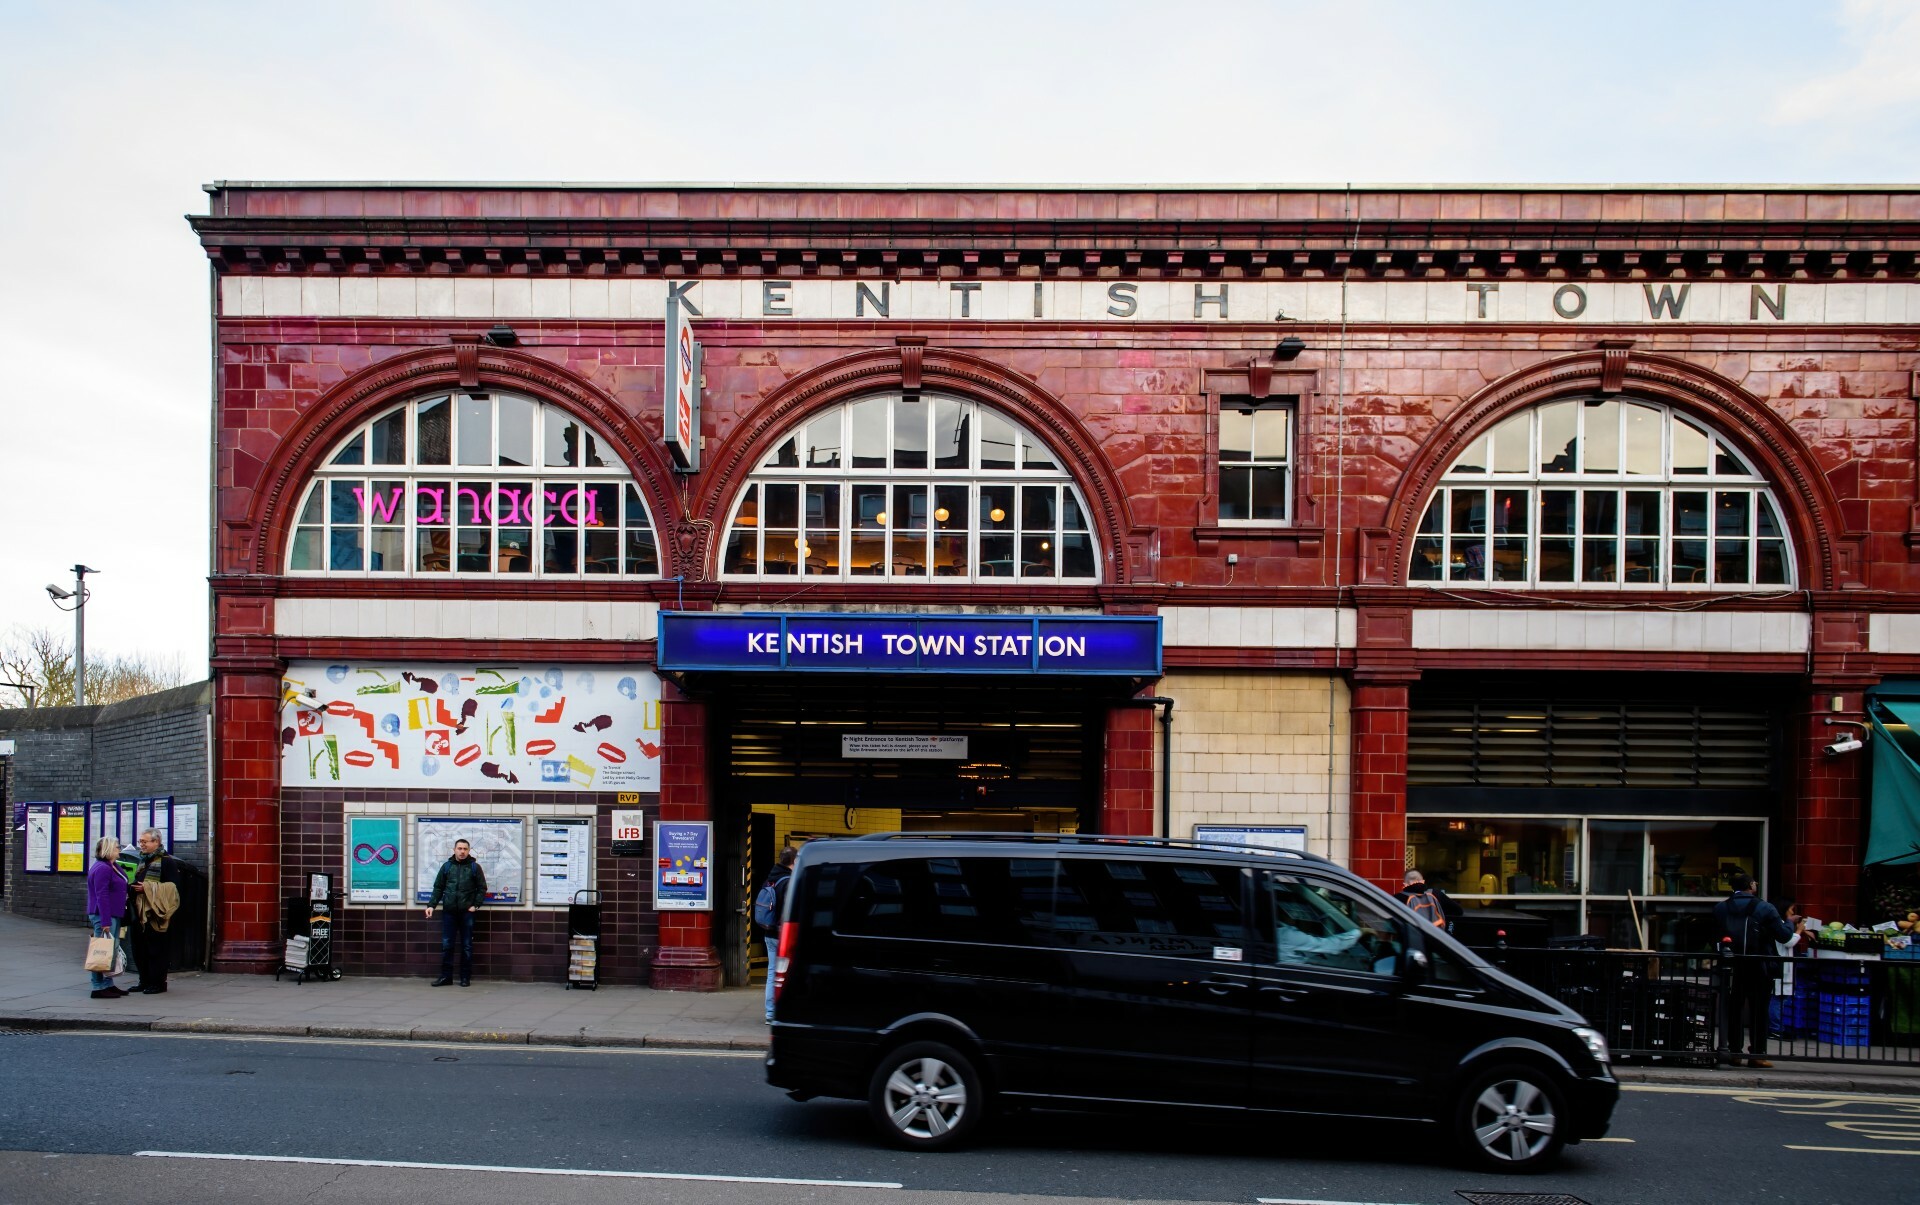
1673,1007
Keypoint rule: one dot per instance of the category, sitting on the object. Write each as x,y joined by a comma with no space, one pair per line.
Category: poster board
39,843
125,819
499,845
1256,836
376,869
629,831
563,859
70,838
682,876
532,727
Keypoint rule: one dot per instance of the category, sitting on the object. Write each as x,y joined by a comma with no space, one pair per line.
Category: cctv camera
57,593
1846,744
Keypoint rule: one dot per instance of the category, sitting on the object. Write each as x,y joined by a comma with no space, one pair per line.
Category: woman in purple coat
106,907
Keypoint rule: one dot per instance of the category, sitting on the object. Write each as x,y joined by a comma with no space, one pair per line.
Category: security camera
57,593
1846,744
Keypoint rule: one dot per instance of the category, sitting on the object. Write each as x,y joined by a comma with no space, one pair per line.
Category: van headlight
1596,1045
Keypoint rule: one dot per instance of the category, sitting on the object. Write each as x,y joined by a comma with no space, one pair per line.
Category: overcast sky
113,115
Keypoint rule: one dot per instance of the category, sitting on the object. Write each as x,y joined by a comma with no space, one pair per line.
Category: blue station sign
1126,645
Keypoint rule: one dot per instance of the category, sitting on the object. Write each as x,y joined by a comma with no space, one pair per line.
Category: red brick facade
1823,405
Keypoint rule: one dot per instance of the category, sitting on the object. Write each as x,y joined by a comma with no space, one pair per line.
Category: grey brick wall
153,745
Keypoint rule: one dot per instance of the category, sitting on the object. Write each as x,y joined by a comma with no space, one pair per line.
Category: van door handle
1221,987
1287,995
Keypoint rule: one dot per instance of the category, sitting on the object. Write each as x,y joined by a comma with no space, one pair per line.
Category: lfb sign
682,420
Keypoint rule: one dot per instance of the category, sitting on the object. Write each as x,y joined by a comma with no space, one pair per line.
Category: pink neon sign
508,506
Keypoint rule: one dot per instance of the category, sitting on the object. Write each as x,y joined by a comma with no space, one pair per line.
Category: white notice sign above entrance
887,744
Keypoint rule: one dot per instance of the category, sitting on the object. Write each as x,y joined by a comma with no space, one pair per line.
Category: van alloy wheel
925,1095
1511,1120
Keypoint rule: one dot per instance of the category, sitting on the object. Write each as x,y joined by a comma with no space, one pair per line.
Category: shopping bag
99,955
119,961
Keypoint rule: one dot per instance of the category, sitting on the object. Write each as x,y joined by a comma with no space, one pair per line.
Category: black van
939,976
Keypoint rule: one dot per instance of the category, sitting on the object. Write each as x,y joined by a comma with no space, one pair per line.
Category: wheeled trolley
583,940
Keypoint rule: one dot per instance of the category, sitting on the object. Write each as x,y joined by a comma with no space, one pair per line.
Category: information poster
629,833
1258,836
564,859
40,838
682,880
71,857
374,875
186,823
500,846
97,825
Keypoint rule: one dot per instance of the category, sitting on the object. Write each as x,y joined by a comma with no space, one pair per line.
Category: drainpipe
1166,760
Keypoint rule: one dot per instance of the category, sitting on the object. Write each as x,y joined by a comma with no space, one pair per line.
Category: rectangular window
1256,460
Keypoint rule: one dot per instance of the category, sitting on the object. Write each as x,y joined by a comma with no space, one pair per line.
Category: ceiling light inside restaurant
996,514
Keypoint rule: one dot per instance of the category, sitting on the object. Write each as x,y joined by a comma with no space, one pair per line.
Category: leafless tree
38,658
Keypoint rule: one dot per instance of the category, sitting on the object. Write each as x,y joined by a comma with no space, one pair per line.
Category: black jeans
1749,990
456,928
149,955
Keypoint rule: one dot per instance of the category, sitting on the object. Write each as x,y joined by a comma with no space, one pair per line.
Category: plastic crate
1845,1036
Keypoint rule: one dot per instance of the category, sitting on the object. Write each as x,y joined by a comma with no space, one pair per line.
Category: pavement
43,987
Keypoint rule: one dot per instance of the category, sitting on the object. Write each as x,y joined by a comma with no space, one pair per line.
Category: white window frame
1430,540
457,477
1284,463
1584,898
972,479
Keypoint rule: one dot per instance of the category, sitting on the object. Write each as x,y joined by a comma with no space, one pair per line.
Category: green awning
1894,834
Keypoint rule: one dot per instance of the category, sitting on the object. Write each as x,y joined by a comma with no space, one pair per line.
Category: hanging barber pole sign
682,420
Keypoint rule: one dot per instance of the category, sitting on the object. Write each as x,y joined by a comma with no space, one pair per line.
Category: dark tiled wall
508,943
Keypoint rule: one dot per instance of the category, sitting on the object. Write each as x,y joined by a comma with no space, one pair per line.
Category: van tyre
1511,1118
926,1096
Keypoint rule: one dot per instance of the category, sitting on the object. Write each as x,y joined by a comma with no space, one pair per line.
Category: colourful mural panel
460,727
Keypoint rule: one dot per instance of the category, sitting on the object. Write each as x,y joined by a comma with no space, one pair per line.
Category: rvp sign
682,419
629,833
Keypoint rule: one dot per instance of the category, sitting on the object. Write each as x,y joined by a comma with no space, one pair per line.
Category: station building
1533,537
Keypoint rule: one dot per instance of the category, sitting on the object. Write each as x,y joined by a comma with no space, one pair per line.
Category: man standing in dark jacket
457,892
148,932
1750,927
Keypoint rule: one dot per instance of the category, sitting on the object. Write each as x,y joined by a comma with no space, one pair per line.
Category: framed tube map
470,727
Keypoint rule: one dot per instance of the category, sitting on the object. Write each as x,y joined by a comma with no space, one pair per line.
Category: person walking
766,915
1750,931
156,897
457,892
1427,901
106,909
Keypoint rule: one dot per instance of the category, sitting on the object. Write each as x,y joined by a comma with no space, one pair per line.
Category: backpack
766,905
1426,906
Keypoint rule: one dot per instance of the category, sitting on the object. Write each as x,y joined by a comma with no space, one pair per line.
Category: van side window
1322,926
1000,900
1184,910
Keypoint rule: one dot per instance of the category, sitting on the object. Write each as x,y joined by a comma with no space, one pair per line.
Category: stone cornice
1197,249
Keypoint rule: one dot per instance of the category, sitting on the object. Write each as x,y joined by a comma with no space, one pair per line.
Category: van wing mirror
1416,967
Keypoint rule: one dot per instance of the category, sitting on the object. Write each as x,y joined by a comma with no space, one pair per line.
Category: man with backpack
767,907
1428,902
1750,930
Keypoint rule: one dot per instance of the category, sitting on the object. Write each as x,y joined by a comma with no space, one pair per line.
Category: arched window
1602,492
910,487
473,484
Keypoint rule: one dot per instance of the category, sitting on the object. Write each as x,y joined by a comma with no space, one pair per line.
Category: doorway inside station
821,756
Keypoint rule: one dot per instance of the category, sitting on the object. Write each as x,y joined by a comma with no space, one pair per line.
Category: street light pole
80,634
79,594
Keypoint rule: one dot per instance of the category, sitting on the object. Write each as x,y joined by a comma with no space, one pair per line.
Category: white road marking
521,1171
1586,1140
1305,1201
409,1044
1852,1150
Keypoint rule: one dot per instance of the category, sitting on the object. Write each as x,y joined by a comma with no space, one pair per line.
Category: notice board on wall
499,845
39,844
